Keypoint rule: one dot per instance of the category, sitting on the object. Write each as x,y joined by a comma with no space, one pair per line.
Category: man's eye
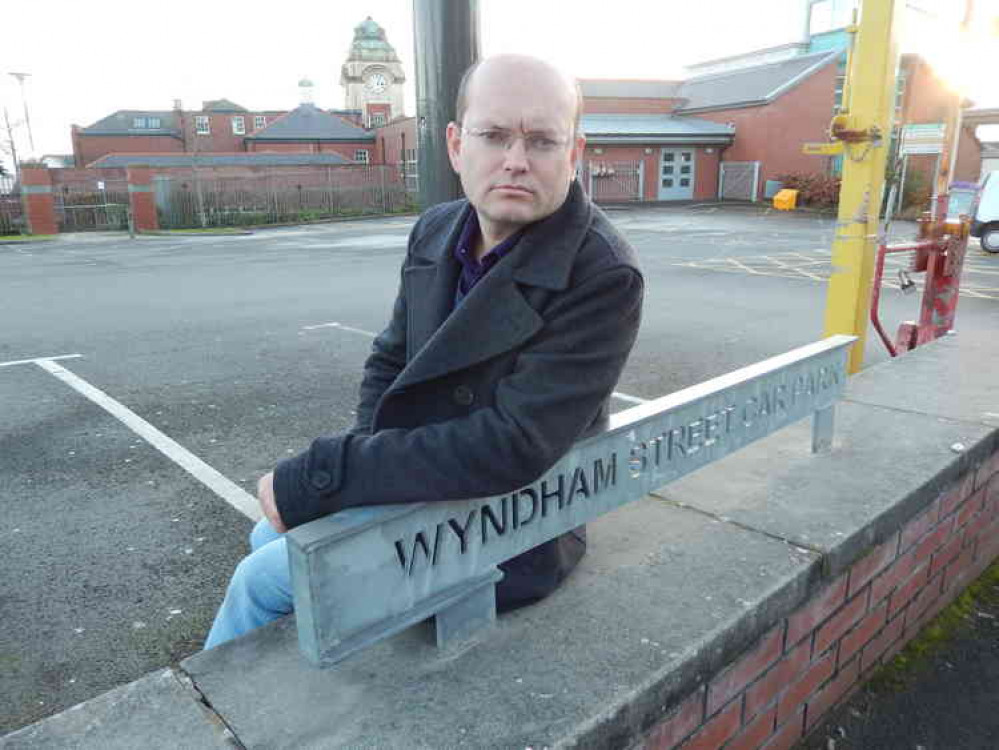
542,143
494,136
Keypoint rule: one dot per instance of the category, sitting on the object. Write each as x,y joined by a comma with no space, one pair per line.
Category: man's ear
453,135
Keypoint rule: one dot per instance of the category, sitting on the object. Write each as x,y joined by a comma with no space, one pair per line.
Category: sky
87,60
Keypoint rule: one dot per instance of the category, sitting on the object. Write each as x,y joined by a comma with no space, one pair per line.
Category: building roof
981,116
654,129
58,161
370,43
754,85
251,159
629,89
221,105
309,123
122,122
790,49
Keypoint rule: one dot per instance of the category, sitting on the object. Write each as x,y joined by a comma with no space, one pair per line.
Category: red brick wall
780,688
384,109
346,150
61,176
141,199
706,173
774,133
928,99
220,139
609,105
969,157
88,148
37,201
394,137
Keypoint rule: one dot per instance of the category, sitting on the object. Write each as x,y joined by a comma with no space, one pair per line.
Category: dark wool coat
482,399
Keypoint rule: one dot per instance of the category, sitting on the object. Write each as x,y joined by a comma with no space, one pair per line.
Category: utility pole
446,35
11,144
952,135
24,103
863,132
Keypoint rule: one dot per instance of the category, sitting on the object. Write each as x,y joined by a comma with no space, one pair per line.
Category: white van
985,222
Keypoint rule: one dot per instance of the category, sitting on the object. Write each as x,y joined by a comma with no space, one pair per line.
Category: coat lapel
494,317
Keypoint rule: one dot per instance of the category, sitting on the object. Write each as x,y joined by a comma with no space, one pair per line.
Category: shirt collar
464,249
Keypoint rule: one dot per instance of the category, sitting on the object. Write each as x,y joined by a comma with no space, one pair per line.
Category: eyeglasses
499,139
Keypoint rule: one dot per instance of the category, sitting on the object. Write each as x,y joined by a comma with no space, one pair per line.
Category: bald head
520,70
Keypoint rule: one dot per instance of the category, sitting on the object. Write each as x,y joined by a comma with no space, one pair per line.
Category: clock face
376,82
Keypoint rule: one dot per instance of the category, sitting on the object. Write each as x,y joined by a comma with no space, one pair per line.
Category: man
516,312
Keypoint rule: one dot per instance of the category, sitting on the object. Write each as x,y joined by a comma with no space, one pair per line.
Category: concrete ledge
734,606
159,710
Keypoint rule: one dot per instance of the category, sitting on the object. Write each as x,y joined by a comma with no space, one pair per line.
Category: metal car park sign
365,573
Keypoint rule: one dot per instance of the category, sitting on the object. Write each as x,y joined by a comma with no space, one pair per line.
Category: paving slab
157,711
956,377
885,466
664,596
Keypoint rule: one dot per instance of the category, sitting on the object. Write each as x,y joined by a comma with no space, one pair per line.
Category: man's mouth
515,189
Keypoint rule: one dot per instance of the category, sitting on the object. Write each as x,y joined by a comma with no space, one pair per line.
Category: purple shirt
472,270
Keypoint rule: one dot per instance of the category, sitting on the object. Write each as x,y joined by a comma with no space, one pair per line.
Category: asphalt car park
146,384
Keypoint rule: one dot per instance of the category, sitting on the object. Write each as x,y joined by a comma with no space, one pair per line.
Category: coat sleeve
560,381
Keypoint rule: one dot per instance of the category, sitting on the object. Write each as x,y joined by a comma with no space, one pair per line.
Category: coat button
320,480
463,395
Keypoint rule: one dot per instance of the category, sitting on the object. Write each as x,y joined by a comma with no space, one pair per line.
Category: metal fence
739,180
202,198
90,203
613,182
12,219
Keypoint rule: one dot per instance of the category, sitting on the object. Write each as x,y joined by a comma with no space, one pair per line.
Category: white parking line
233,494
340,326
629,399
38,359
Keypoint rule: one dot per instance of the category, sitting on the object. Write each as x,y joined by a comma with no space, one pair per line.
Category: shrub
917,192
816,190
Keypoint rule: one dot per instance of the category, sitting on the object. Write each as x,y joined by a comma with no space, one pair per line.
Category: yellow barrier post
864,128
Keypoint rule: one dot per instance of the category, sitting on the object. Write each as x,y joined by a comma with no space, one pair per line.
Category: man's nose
515,156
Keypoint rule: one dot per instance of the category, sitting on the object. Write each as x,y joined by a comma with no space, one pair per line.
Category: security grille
204,198
91,204
739,180
11,211
614,182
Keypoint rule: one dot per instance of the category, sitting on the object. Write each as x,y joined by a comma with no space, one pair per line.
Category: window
259,121
900,95
145,123
377,120
361,156
838,93
238,125
201,125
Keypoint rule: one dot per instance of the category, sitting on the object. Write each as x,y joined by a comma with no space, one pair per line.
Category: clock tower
372,76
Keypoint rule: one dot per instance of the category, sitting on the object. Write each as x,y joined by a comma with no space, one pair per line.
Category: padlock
905,282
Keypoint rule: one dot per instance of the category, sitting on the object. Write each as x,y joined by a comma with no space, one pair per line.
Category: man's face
515,150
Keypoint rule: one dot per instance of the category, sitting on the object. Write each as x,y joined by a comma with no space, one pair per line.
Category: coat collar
495,317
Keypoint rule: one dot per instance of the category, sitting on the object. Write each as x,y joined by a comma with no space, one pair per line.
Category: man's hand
265,495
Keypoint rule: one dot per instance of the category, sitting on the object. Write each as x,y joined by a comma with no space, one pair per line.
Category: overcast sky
88,59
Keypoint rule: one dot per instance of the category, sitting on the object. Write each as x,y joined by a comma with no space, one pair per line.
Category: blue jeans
260,589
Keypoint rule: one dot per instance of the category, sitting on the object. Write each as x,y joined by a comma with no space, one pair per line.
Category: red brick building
372,78
222,127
